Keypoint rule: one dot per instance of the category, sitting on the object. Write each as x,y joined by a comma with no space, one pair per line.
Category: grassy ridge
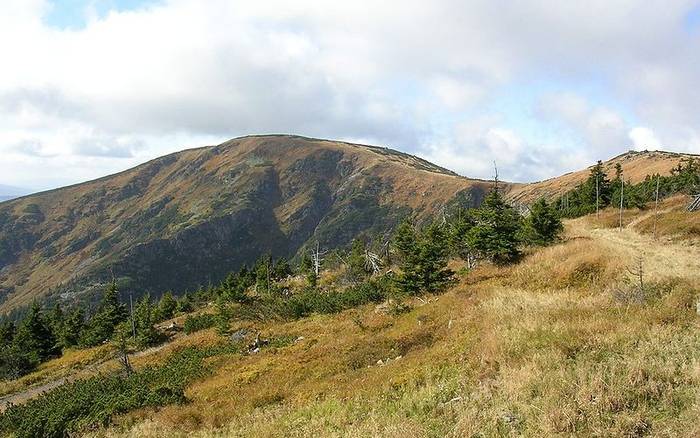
543,348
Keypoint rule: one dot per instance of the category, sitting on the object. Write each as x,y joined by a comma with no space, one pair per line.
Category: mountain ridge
187,218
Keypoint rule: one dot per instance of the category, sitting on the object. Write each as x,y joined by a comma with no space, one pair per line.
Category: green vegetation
495,232
543,226
684,178
270,290
195,323
83,404
423,258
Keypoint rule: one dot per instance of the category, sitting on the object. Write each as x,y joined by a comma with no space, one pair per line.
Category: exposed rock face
187,219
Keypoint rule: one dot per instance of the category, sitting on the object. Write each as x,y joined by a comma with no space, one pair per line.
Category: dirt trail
35,391
661,258
27,394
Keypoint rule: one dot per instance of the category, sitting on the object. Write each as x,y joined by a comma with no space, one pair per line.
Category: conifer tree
306,268
109,314
543,226
408,249
166,306
263,273
496,228
72,327
7,332
34,335
56,320
458,235
144,312
184,304
222,316
434,255
356,261
281,269
423,258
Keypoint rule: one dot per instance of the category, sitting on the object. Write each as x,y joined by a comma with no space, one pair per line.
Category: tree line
494,232
599,191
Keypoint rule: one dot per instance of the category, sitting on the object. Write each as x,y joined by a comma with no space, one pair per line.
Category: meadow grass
543,348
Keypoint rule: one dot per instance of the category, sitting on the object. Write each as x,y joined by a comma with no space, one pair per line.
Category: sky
92,87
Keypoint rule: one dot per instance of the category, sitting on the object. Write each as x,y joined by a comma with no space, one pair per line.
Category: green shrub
195,323
92,402
312,300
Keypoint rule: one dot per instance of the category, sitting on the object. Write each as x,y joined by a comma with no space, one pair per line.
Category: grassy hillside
188,218
562,343
636,165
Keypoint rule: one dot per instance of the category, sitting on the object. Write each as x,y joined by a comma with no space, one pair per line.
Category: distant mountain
636,166
10,192
188,218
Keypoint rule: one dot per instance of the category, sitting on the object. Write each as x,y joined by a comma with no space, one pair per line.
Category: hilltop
636,166
188,218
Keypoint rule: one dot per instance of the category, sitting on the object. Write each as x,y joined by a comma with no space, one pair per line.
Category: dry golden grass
70,363
543,348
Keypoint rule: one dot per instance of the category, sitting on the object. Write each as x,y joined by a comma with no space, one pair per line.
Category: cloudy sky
90,87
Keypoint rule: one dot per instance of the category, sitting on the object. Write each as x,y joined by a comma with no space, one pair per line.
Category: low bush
92,402
312,300
195,323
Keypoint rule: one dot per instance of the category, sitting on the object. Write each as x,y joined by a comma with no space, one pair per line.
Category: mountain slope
636,166
188,218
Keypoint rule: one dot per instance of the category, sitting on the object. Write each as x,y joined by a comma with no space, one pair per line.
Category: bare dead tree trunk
638,272
317,258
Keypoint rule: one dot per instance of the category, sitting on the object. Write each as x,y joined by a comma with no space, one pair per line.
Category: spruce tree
184,304
263,273
144,312
408,249
34,335
7,332
306,268
496,229
423,258
166,306
598,185
72,327
459,229
543,226
281,269
356,261
434,255
56,320
222,317
109,314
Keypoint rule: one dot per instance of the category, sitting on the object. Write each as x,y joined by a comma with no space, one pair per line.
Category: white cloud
601,131
408,74
644,139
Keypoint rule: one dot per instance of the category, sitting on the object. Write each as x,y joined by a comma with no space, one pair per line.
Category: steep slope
636,166
186,219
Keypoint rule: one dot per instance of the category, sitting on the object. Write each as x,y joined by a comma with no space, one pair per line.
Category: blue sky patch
73,14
